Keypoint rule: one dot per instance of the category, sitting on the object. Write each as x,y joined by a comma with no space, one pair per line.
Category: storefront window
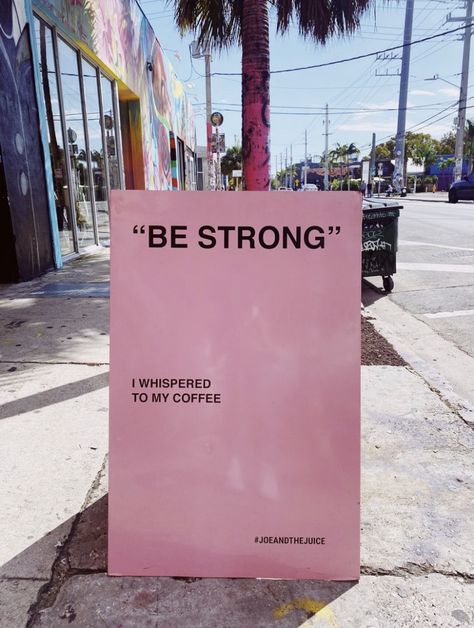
91,95
83,139
55,136
110,132
74,119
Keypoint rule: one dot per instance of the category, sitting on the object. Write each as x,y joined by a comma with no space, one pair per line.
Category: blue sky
362,98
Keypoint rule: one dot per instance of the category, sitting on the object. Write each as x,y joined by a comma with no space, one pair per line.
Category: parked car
462,190
310,187
283,189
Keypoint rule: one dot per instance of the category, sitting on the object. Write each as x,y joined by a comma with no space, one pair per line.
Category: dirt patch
375,349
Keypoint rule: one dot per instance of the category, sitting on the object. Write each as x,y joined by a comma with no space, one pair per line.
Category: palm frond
215,23
320,19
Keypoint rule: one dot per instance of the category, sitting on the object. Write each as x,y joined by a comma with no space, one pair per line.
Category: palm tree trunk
255,95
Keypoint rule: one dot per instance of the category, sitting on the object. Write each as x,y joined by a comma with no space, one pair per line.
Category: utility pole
276,168
326,150
461,119
291,166
207,60
372,162
286,167
399,171
305,179
218,162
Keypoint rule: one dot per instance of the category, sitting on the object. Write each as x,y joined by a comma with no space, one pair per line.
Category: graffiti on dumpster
376,245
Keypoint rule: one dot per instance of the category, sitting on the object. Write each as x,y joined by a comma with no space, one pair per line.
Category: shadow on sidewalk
54,395
371,293
79,588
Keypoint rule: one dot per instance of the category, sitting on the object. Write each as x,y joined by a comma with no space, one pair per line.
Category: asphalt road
435,268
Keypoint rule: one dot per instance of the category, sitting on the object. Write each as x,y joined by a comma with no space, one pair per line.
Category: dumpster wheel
388,284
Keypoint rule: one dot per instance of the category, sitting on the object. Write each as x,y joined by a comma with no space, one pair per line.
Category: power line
355,58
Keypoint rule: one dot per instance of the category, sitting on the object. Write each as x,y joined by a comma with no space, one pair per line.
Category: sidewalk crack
414,569
61,569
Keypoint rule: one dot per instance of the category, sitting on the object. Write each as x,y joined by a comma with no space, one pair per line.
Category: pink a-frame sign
234,389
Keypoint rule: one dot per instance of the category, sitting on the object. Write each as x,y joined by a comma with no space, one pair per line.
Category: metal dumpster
380,240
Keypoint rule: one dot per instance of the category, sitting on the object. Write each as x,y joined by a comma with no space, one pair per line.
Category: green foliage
446,163
219,22
232,160
335,185
447,143
385,150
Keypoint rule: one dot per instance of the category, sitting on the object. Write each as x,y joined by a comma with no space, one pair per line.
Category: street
435,278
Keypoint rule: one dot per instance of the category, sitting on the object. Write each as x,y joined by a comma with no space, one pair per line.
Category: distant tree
385,150
232,160
423,151
337,155
351,150
447,143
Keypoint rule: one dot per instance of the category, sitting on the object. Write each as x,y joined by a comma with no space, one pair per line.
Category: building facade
89,103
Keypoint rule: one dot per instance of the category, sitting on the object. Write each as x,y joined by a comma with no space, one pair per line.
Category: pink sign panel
234,391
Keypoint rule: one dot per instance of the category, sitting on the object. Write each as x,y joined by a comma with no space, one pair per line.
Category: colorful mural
116,34
25,229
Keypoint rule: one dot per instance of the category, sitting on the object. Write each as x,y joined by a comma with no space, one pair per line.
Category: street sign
234,328
217,118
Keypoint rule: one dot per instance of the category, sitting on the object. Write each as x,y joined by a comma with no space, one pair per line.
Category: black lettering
250,237
203,234
156,232
288,235
261,235
226,229
318,241
175,236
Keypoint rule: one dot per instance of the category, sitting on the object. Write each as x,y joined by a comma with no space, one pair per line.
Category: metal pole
326,151
305,180
210,182
218,162
286,167
398,173
291,166
372,162
459,149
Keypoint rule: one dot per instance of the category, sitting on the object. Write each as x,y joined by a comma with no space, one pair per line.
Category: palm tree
351,149
337,155
222,23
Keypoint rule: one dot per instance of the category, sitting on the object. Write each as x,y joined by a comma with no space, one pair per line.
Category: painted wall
25,234
118,36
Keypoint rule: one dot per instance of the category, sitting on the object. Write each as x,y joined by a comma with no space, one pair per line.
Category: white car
310,187
283,189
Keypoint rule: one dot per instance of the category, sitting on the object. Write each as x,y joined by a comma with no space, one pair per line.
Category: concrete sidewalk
417,489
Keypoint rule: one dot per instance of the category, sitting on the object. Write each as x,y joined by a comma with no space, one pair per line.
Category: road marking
437,268
450,314
438,246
